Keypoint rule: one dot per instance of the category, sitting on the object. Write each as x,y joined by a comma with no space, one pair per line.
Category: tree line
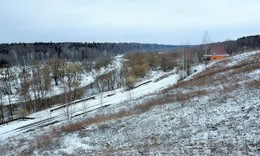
245,43
27,53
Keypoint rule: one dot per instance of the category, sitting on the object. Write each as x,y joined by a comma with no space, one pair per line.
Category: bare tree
121,76
130,94
101,98
7,80
40,85
71,88
25,84
10,107
168,62
101,83
69,112
34,88
56,68
111,79
2,118
206,41
72,80
182,57
84,108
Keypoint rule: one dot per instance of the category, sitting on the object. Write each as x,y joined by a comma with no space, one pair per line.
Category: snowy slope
121,95
214,111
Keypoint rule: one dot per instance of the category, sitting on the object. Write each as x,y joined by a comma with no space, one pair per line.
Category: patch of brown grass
247,68
98,119
169,98
211,71
254,84
135,111
206,77
189,95
40,143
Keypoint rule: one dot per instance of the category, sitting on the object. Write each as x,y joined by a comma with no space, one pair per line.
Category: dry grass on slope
206,78
181,92
218,72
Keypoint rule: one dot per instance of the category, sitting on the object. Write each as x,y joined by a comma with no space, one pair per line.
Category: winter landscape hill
213,111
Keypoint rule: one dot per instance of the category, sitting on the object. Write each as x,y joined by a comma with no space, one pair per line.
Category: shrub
140,70
3,63
167,63
22,112
102,62
130,81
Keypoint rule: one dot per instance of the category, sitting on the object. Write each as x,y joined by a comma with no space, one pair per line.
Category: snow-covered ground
100,100
215,111
86,79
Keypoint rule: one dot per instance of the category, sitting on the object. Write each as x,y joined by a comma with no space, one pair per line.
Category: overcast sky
145,21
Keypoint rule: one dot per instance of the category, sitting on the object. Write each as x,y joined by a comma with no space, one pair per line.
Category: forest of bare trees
27,53
242,44
35,83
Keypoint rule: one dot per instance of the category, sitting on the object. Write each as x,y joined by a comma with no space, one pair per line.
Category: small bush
102,62
130,81
72,127
140,70
168,63
22,112
3,63
98,119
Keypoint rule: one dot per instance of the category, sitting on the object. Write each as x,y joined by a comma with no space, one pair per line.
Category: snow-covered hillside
214,111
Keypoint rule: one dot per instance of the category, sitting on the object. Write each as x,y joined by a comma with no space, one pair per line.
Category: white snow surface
121,95
86,79
219,122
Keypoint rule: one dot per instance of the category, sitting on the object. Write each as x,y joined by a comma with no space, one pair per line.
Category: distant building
217,52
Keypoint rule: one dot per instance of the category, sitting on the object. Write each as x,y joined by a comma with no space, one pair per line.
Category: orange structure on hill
217,52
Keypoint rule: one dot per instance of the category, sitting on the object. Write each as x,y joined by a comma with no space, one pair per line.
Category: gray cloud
152,21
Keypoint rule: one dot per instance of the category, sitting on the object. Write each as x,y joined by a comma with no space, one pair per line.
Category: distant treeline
27,53
242,44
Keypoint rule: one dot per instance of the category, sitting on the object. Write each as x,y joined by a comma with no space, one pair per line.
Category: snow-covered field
212,112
